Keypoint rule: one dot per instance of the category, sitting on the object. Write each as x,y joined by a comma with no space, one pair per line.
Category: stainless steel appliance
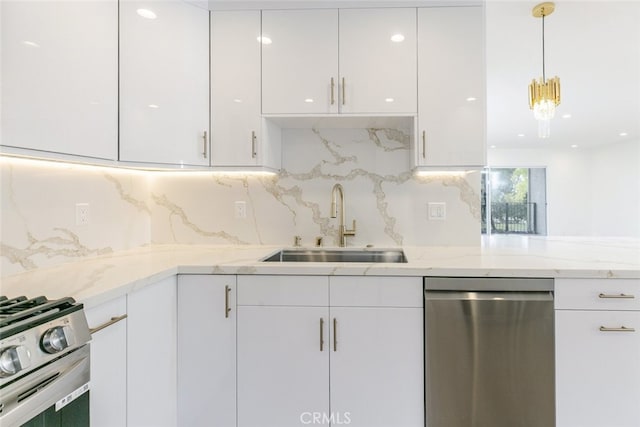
489,352
44,362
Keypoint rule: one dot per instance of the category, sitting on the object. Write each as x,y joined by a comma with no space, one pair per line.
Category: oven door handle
107,323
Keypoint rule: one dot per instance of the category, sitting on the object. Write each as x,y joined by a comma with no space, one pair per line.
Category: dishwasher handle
489,295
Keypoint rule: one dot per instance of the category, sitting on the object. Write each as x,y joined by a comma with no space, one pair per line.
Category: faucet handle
351,232
297,241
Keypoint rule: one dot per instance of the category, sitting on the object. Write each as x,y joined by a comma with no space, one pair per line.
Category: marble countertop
96,280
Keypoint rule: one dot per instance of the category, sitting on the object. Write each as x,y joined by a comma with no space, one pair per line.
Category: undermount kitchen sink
338,255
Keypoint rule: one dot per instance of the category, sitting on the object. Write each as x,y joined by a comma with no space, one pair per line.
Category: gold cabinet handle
107,324
253,144
344,97
321,334
227,309
333,86
616,296
335,334
424,144
204,144
620,329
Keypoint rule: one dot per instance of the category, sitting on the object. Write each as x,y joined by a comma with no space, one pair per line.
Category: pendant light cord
544,78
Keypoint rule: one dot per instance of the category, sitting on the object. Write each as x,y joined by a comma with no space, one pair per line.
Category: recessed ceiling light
493,146
471,99
388,100
264,40
308,100
521,135
30,43
237,100
566,116
397,38
146,13
574,146
153,106
623,134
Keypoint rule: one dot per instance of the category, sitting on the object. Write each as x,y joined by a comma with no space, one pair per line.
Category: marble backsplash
388,202
133,208
38,212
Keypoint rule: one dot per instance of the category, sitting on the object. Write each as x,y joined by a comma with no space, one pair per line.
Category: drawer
358,291
283,290
597,294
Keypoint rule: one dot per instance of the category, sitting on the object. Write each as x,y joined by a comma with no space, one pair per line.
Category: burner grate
18,314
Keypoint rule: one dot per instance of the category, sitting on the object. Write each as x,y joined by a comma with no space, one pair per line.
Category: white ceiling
593,46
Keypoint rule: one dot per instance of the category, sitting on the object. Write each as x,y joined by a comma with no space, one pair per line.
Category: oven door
54,395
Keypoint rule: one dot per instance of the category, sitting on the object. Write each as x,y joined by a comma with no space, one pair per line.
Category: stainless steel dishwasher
489,352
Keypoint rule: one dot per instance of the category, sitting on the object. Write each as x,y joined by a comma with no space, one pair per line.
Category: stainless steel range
44,362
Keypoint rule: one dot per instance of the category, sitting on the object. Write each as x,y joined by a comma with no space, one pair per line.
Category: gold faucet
343,231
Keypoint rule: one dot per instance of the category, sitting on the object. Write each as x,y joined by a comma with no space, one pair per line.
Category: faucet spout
336,192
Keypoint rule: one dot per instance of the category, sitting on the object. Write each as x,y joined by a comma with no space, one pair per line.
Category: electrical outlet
437,210
241,209
82,213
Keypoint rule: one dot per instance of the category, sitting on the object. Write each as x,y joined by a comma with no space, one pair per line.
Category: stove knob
57,339
13,360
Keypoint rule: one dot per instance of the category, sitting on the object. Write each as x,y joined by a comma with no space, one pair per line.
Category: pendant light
544,95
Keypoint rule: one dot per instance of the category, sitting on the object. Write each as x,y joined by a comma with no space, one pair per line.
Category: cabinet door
377,366
451,87
206,338
164,82
299,61
283,365
60,77
597,373
235,88
108,364
151,355
378,61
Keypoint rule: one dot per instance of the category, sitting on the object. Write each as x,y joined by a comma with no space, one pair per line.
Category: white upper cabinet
60,77
164,82
378,66
451,87
355,61
299,61
239,136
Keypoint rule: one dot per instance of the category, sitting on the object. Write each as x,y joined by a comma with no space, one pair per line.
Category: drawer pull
616,296
620,329
321,334
227,309
335,334
107,324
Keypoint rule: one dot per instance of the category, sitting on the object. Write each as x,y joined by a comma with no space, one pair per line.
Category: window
514,201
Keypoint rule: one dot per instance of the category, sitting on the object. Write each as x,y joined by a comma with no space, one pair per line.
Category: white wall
585,187
616,190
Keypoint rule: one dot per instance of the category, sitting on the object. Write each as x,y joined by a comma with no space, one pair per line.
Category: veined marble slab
96,280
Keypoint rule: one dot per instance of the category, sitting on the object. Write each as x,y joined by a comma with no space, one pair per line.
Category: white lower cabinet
304,361
376,366
207,350
151,355
597,353
108,363
282,369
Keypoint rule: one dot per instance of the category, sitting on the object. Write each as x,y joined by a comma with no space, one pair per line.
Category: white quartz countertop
95,280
